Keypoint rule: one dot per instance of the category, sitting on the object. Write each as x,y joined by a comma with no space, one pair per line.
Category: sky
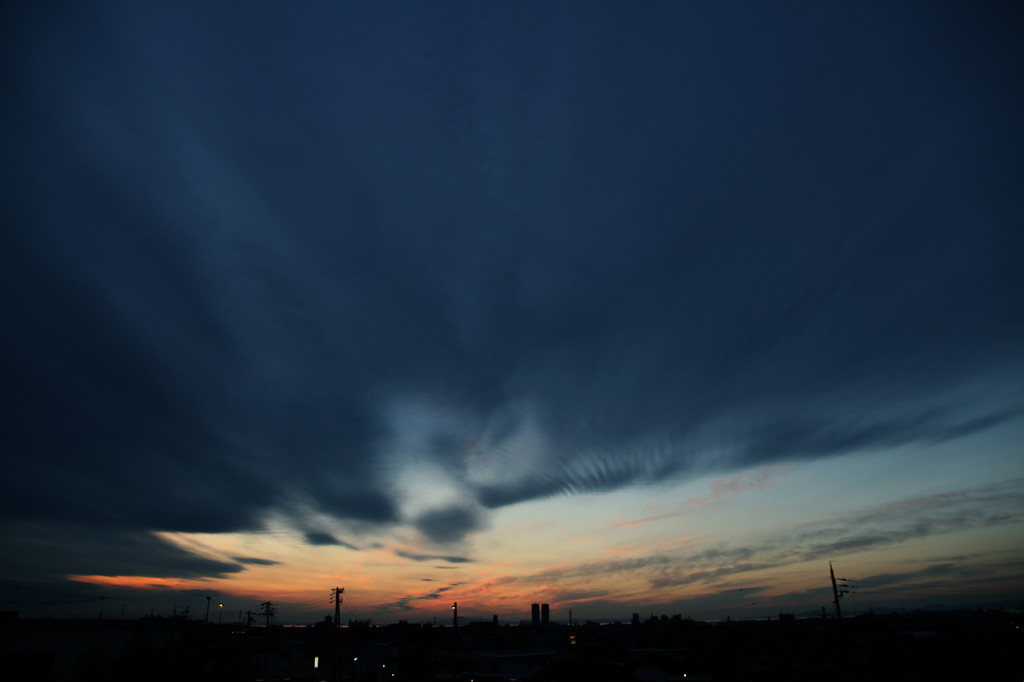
650,307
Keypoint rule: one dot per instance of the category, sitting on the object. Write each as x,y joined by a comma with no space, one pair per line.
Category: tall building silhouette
545,614
535,614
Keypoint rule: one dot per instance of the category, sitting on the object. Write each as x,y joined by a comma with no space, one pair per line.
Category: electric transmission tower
267,610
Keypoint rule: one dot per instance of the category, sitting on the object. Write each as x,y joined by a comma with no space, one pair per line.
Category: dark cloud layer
668,238
448,525
46,551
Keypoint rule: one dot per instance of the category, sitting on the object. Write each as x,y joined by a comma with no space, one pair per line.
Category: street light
220,613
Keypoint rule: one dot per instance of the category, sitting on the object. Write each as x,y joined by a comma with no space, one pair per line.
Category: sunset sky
620,307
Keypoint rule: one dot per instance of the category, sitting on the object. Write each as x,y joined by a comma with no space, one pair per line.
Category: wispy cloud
709,576
405,603
870,528
319,539
255,561
434,557
721,489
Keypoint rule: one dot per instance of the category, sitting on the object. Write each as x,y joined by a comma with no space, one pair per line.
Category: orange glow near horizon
732,558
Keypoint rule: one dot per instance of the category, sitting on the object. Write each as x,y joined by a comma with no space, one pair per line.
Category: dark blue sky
671,238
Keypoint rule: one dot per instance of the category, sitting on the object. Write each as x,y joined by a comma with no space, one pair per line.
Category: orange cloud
141,582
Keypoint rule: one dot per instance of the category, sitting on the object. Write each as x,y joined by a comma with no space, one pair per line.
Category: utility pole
455,624
336,595
835,592
207,619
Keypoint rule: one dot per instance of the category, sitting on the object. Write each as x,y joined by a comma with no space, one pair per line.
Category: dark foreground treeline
965,645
